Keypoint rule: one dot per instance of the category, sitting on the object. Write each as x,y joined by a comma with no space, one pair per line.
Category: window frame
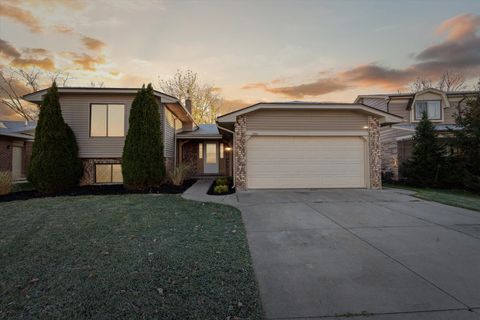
111,173
427,101
106,119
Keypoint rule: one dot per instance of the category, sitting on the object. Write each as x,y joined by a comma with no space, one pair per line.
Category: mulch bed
231,189
113,189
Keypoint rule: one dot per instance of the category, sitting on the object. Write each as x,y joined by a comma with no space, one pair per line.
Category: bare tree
451,81
206,101
14,83
98,84
421,83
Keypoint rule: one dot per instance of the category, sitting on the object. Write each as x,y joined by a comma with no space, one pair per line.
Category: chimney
188,104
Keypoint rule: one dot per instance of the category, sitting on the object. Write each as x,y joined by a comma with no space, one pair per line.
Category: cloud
7,50
69,4
45,63
64,29
375,75
316,88
22,16
85,61
92,44
459,27
460,52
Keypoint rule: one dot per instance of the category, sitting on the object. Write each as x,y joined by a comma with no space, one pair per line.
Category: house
16,141
396,139
266,145
306,145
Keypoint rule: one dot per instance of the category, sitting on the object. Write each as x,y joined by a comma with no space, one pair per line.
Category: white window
222,148
200,151
107,120
108,173
432,108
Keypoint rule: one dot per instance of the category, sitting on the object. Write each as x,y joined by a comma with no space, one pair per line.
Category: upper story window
431,107
107,120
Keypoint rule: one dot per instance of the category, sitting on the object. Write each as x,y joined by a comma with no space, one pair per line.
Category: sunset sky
251,50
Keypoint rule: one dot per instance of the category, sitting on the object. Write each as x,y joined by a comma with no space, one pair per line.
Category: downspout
175,143
233,152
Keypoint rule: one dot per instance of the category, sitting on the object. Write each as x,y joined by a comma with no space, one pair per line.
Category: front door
211,158
16,162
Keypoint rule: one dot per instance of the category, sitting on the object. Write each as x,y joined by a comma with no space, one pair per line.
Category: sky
250,50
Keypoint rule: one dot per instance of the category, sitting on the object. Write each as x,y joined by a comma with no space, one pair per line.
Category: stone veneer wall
375,159
241,153
390,158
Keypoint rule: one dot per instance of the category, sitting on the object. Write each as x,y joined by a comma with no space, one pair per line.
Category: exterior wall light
228,149
365,127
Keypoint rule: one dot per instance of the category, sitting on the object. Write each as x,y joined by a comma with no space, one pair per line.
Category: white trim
402,128
404,137
38,95
297,133
384,116
445,103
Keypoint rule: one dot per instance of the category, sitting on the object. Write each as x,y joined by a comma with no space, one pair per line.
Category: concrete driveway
385,254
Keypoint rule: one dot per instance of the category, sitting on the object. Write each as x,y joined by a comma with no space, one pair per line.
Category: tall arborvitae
425,166
467,142
143,164
54,164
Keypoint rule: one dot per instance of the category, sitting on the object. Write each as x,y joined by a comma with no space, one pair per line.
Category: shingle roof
204,130
17,129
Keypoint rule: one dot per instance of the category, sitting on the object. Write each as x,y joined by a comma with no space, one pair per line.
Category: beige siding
169,133
377,103
306,120
390,134
399,107
76,112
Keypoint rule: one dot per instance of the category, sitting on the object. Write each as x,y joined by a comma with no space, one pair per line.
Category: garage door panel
305,162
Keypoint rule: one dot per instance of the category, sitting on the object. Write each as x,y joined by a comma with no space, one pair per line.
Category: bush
179,174
5,182
221,181
426,165
54,164
143,165
220,189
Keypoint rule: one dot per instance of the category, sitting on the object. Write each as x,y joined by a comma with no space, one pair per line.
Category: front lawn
129,256
456,198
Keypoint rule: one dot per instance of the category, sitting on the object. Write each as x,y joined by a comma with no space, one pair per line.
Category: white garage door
305,162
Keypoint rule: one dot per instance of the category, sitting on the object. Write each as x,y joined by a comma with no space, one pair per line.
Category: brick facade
374,151
240,153
6,144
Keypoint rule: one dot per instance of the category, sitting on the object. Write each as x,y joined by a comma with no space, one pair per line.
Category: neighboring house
396,139
16,141
306,145
266,145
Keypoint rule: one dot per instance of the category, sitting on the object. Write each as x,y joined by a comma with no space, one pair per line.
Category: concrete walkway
198,192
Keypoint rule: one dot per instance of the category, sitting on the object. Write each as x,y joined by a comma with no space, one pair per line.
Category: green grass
124,257
456,198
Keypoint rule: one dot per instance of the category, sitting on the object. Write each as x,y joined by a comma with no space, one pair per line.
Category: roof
412,94
437,127
37,95
387,117
18,129
173,102
204,131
